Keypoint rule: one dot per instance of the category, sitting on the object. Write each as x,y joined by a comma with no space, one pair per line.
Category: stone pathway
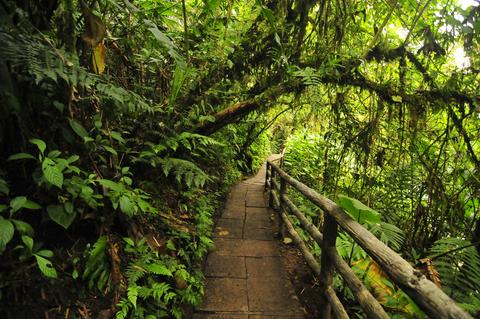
245,277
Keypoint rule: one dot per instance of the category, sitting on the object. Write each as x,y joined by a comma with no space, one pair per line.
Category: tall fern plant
458,264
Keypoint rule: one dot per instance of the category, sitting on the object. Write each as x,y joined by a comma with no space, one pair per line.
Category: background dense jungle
124,123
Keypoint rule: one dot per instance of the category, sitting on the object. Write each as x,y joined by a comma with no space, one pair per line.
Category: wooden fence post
327,267
282,209
270,196
267,176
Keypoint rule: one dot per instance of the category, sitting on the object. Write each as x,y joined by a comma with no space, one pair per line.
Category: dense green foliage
102,188
116,148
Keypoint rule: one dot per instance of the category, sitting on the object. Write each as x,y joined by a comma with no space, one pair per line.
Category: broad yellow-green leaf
98,58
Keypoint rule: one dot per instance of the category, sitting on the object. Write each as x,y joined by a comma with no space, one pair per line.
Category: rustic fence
431,299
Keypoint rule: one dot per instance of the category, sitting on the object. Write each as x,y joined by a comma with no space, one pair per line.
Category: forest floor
251,274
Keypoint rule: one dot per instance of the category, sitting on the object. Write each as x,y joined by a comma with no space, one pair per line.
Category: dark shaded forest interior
125,123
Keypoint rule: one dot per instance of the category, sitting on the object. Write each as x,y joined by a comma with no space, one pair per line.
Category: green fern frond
132,294
135,272
124,307
144,292
97,266
159,269
159,289
41,60
184,171
389,234
458,263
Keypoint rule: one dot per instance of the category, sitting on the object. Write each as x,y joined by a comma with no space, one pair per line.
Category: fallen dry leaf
223,233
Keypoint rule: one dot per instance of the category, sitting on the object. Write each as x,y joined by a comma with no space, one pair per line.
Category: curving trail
245,277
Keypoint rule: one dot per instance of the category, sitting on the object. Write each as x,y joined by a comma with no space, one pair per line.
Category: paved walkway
245,277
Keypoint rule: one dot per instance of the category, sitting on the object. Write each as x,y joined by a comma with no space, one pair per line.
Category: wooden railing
431,299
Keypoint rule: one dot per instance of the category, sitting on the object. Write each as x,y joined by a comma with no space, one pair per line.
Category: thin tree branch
415,22
185,30
379,31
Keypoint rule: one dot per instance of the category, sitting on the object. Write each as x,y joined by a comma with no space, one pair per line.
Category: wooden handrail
431,299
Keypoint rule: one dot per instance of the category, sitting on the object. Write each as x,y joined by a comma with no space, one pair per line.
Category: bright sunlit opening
402,33
467,3
460,59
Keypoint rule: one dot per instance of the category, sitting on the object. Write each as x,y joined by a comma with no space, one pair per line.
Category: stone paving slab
220,316
255,200
265,233
225,266
225,294
246,247
257,211
235,203
258,223
272,294
247,315
274,316
257,217
229,228
237,212
236,199
257,187
264,267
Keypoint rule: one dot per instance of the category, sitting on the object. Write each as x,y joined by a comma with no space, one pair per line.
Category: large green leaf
178,79
4,187
126,205
111,184
23,227
78,128
6,232
61,216
31,205
28,241
359,211
117,136
20,202
40,144
46,267
53,175
165,41
20,156
17,203
45,253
